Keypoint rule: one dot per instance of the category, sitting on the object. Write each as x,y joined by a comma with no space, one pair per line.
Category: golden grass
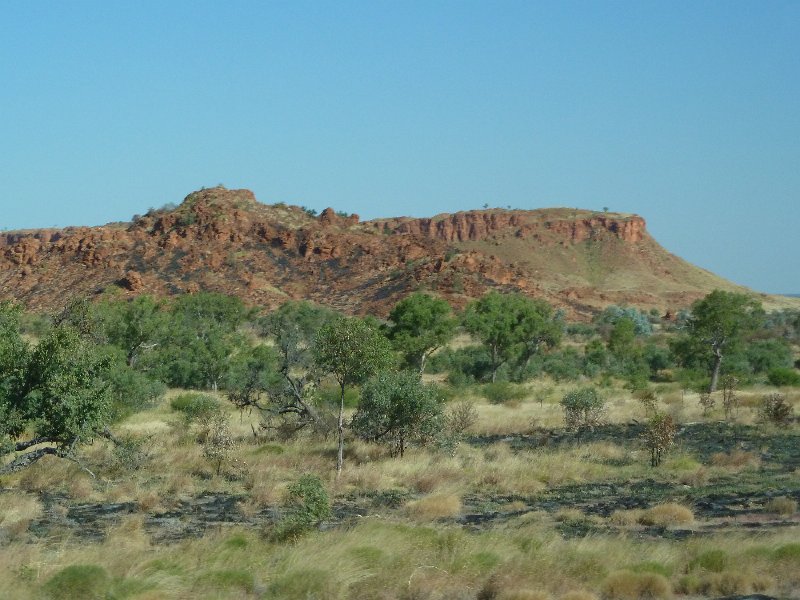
578,595
436,506
781,506
736,460
17,510
395,554
663,515
627,585
377,559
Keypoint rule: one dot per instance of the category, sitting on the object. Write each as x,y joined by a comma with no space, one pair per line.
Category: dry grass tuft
523,595
736,459
433,478
697,478
149,501
437,506
80,488
579,595
729,583
664,515
781,506
16,513
627,585
625,518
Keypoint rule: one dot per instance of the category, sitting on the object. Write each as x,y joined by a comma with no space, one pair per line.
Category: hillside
224,240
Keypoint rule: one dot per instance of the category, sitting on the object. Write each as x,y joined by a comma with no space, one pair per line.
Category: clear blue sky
687,113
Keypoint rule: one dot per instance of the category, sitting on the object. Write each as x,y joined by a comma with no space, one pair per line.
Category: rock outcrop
224,240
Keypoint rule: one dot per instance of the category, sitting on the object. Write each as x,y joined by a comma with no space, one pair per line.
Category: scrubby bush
776,410
463,366
707,401
218,443
768,354
647,398
564,365
613,314
132,391
460,417
730,399
131,453
583,408
307,504
659,436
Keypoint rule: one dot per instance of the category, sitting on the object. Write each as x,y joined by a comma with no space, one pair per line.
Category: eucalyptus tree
351,350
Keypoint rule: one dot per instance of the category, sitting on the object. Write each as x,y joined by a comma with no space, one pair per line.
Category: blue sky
687,113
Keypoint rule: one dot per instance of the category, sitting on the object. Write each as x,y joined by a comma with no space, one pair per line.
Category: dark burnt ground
731,501
734,501
779,449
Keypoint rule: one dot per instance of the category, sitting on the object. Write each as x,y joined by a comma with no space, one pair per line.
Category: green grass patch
79,582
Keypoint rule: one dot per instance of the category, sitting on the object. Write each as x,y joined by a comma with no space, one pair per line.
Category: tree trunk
340,457
715,371
27,460
495,364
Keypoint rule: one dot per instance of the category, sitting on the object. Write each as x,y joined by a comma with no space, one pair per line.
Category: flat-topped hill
226,241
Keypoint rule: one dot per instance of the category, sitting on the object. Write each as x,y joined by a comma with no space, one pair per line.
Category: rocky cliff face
483,225
224,240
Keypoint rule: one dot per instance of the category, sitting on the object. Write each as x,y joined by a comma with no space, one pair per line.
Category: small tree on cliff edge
351,350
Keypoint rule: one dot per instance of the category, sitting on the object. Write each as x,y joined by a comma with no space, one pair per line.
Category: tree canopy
396,408
513,327
718,325
351,350
57,393
420,324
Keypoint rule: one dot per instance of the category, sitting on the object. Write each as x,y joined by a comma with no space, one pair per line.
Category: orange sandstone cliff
226,241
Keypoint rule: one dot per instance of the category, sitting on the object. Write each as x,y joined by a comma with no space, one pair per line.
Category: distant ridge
226,241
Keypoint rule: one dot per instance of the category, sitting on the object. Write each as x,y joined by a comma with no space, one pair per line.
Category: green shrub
502,392
195,406
132,391
583,408
307,505
780,376
566,365
78,582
